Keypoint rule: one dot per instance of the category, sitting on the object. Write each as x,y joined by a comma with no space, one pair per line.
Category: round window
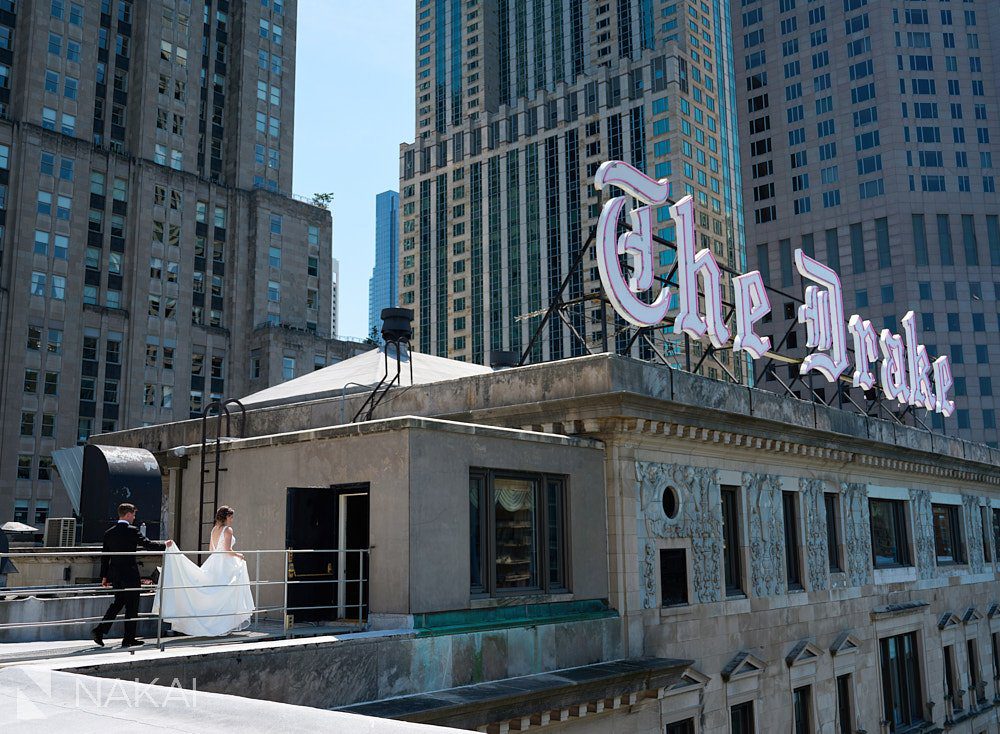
670,502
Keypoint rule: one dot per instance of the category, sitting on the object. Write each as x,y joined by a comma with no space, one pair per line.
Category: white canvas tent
361,374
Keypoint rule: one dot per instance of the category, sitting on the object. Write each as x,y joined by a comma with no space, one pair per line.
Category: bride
213,599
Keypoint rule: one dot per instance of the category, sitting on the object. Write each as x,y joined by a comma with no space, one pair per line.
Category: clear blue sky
353,107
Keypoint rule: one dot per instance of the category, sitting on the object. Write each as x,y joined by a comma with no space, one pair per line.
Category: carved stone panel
766,524
814,512
974,540
699,518
648,575
923,533
857,533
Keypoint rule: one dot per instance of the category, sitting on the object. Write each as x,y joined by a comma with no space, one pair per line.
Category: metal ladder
208,497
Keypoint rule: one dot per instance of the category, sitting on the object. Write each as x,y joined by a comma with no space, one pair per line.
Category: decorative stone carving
699,518
974,524
649,576
814,511
766,524
923,533
857,529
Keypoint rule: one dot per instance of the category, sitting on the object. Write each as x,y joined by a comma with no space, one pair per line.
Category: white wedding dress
210,600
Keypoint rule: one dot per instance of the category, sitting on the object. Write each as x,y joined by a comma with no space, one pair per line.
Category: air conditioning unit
60,532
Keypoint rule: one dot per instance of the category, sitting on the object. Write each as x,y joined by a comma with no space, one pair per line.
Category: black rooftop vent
397,323
499,359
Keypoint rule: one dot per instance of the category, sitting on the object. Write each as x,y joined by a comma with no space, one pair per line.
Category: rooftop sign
905,374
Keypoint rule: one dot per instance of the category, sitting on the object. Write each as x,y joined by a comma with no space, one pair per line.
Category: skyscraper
518,103
383,288
868,137
151,260
335,299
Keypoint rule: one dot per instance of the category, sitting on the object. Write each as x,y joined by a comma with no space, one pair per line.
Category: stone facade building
150,258
704,557
868,134
517,105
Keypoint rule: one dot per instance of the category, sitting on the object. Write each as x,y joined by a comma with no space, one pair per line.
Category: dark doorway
333,584
353,536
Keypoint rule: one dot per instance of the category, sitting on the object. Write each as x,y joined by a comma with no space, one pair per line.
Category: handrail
143,553
22,594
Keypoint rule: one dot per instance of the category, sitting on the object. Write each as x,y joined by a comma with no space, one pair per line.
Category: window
995,645
680,727
21,506
38,284
947,535
977,686
951,684
113,352
801,705
58,287
55,341
273,291
901,688
832,532
517,532
24,472
731,540
64,206
288,368
793,573
741,719
111,391
889,537
673,577
845,720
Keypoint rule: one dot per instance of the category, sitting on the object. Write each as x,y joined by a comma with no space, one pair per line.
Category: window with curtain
517,532
889,537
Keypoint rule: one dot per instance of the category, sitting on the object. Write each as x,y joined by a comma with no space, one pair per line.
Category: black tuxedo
123,573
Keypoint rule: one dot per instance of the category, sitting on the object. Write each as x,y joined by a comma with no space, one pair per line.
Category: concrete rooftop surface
36,699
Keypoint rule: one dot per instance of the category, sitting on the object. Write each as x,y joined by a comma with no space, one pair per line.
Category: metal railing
348,590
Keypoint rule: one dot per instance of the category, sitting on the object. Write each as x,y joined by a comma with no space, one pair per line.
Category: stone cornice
745,440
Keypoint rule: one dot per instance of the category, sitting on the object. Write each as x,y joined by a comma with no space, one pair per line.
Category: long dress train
210,600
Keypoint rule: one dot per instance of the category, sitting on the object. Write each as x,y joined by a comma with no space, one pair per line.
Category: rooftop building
609,545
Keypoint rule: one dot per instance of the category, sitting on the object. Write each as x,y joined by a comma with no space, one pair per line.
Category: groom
122,572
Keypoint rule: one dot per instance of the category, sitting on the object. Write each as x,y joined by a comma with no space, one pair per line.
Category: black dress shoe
133,643
97,637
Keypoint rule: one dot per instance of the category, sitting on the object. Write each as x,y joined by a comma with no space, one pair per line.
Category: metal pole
256,588
159,620
284,610
604,325
361,587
